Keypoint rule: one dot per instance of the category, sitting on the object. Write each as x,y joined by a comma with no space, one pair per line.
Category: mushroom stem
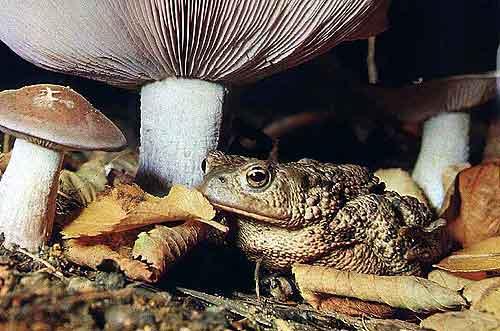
28,191
445,142
180,123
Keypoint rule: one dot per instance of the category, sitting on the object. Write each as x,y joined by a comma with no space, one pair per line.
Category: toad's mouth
256,216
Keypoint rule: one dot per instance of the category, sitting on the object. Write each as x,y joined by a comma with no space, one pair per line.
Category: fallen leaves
94,252
141,256
127,207
408,292
482,256
108,229
477,216
163,246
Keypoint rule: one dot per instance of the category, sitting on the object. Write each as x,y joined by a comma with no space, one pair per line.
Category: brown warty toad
322,214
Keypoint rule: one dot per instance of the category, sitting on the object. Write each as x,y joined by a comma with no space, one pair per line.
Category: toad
321,214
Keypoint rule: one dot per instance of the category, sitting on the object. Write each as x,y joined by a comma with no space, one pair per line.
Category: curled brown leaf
408,292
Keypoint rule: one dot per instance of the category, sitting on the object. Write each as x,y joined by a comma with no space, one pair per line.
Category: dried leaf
127,207
413,293
448,280
479,211
400,181
461,321
473,292
94,172
489,302
482,256
92,252
163,246
73,186
142,256
450,207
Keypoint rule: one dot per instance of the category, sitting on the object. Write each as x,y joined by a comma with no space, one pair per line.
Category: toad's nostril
204,166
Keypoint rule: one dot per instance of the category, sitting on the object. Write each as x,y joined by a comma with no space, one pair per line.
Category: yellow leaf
127,207
482,256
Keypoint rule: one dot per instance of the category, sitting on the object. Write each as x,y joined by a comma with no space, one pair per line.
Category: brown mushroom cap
132,42
58,118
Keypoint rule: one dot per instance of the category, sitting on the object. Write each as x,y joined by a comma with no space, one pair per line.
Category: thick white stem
28,191
445,142
180,123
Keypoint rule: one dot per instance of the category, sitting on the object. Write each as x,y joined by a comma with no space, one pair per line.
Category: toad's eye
258,177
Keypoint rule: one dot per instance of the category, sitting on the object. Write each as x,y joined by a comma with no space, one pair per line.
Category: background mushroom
47,120
443,106
182,54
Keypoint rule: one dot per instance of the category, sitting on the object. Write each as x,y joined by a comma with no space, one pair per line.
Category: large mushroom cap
57,117
131,42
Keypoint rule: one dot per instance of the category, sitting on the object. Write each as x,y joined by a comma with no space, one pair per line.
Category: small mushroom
182,54
47,120
443,106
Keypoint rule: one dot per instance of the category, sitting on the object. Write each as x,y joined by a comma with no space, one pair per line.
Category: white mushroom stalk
445,142
28,191
180,124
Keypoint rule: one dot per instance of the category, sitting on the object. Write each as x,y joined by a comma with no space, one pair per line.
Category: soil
47,292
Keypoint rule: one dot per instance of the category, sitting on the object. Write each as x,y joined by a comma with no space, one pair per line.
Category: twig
370,61
256,278
266,312
6,143
49,266
287,124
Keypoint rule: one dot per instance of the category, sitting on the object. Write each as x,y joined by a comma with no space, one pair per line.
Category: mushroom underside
28,190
